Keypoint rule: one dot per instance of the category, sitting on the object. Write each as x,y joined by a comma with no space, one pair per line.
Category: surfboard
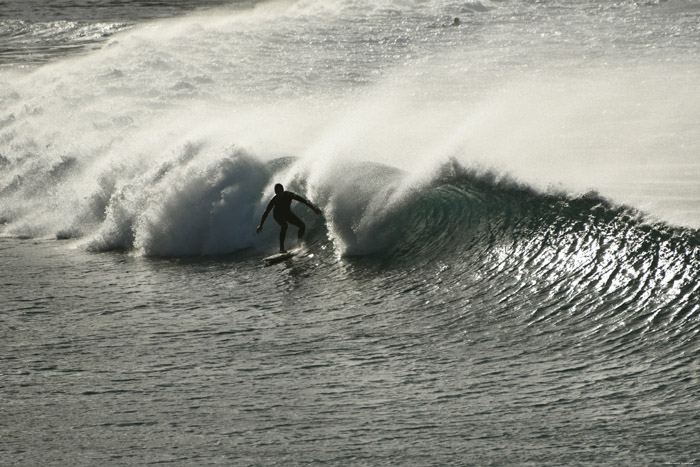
276,258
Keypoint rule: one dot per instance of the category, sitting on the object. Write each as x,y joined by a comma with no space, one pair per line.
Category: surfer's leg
283,231
294,220
283,234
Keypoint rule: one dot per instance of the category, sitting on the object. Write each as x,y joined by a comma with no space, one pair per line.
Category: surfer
282,204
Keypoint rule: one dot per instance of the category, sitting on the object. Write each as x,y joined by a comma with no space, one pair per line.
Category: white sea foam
129,146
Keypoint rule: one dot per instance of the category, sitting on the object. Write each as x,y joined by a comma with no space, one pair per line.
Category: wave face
550,248
548,255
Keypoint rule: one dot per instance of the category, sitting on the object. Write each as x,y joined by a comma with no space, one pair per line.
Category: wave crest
186,208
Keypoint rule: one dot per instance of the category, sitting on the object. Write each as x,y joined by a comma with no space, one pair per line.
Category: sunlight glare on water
505,272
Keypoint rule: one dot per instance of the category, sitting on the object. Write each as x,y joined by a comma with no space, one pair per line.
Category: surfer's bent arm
308,203
267,211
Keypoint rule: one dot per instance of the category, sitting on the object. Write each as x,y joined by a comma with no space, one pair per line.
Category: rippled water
527,355
506,271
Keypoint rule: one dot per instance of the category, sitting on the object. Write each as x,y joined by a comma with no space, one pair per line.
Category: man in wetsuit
282,204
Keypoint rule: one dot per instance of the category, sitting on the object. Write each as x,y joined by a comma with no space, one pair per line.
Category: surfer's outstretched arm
264,216
308,203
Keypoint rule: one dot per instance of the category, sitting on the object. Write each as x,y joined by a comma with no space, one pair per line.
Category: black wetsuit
282,211
282,205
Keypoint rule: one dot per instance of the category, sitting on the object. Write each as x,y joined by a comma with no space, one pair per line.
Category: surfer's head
279,189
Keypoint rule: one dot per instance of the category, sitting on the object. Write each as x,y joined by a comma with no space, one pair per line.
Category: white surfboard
276,258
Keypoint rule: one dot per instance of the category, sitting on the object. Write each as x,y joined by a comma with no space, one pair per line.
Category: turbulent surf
506,270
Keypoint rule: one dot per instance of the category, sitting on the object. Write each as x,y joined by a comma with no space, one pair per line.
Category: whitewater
506,270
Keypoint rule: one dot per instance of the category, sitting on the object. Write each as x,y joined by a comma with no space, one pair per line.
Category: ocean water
506,270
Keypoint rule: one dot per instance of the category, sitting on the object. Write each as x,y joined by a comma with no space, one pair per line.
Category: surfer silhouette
282,213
